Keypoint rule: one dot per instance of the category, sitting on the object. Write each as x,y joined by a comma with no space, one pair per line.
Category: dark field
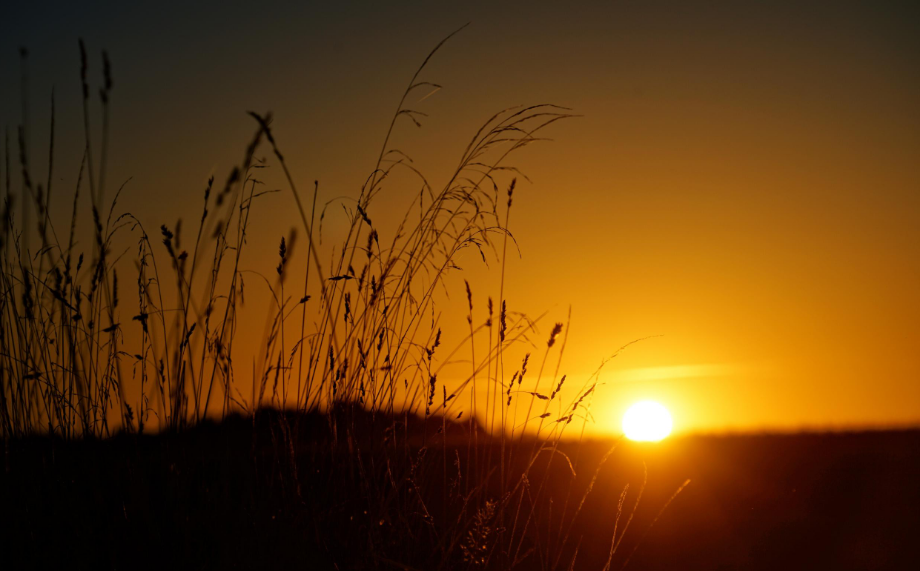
224,496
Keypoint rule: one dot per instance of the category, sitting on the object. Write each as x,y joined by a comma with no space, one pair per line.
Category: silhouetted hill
282,490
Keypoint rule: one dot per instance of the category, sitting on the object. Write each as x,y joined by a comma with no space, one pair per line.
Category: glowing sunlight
647,421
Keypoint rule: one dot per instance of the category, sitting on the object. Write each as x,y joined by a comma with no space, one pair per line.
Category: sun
647,421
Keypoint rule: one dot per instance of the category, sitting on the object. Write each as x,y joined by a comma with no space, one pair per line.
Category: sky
741,187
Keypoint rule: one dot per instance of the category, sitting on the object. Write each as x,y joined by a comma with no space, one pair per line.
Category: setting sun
647,421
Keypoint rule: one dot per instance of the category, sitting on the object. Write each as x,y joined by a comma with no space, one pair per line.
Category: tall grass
356,337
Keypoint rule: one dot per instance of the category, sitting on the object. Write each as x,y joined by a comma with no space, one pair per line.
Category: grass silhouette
348,436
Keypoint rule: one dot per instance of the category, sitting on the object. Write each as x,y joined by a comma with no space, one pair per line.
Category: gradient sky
744,181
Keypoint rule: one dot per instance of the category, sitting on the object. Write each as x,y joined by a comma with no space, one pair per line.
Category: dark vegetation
119,352
227,496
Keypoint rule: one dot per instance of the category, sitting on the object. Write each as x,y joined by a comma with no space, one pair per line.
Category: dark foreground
229,496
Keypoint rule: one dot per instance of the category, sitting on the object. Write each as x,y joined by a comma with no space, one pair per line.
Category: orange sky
743,183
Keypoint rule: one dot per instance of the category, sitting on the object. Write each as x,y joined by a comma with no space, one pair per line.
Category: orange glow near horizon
740,190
